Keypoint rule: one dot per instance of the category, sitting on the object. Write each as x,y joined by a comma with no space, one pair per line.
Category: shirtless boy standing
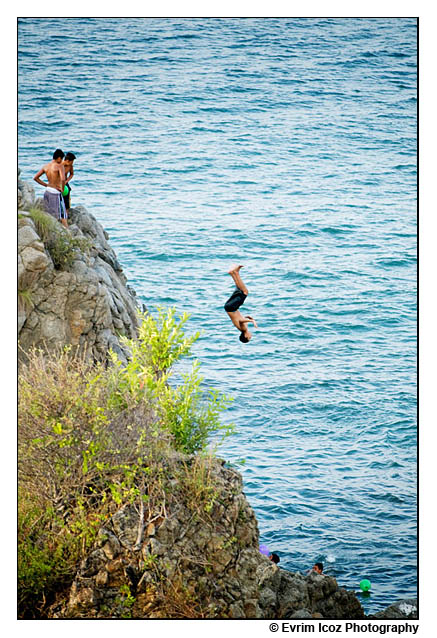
69,174
55,174
236,300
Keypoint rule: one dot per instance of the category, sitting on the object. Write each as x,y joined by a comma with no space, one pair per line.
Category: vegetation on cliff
92,437
71,287
61,245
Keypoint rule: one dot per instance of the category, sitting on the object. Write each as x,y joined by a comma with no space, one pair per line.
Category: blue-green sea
287,145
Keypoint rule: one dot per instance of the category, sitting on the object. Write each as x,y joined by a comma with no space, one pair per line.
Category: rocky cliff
84,301
195,552
196,559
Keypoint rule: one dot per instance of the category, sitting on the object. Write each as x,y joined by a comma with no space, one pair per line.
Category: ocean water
287,145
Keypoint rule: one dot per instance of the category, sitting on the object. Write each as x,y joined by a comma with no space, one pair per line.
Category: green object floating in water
365,585
65,191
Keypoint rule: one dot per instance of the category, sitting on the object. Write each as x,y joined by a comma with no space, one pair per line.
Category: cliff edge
71,287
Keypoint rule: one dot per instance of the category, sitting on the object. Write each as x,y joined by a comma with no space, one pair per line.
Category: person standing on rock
236,300
69,174
55,174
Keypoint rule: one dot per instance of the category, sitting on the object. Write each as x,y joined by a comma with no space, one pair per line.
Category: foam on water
288,145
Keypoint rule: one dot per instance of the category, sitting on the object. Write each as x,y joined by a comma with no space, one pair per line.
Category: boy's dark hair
243,339
70,157
320,566
58,153
275,558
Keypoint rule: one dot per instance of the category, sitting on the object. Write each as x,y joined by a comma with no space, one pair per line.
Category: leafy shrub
190,413
63,248
61,245
72,452
48,551
92,438
187,410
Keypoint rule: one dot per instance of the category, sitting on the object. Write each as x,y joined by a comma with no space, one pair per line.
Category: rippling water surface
287,145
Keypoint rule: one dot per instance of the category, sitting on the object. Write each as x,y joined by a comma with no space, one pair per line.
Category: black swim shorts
67,197
236,300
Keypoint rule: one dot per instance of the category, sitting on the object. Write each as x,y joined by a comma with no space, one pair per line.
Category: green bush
188,411
191,413
63,248
92,438
48,551
60,244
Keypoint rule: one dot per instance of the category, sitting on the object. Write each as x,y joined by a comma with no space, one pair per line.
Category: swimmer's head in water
243,338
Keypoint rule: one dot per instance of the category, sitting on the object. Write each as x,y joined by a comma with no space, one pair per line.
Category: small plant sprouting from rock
60,244
63,248
25,301
44,223
126,600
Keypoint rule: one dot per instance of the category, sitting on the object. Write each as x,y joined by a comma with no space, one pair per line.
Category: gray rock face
88,304
405,609
26,194
285,594
183,563
189,562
